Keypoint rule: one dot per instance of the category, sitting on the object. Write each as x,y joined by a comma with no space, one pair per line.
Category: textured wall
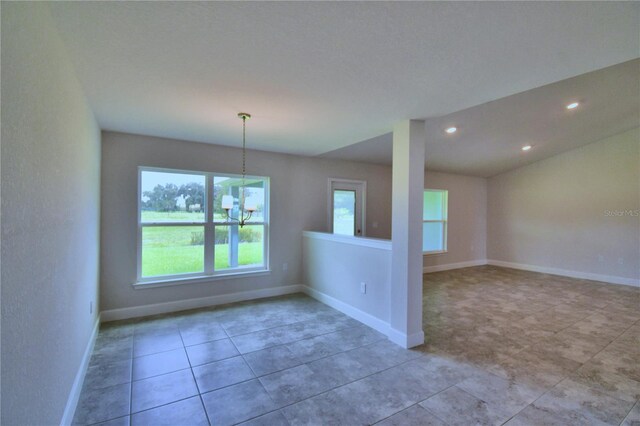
554,213
298,202
50,218
467,221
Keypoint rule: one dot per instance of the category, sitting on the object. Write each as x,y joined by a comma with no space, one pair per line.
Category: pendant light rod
244,116
227,200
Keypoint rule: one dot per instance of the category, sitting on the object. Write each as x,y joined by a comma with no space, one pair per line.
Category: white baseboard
74,394
397,337
458,265
566,273
201,302
345,308
406,340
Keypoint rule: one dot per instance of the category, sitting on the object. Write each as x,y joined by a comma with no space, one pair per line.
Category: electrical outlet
285,267
363,288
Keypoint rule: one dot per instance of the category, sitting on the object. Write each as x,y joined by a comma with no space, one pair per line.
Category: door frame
363,203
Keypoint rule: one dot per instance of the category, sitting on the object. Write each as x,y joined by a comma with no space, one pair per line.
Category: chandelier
247,205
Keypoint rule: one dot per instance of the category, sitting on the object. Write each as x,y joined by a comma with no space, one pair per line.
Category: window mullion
209,245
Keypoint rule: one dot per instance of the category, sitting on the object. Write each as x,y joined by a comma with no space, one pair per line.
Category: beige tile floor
503,346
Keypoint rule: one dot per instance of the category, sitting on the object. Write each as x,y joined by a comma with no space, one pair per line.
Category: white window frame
444,221
209,225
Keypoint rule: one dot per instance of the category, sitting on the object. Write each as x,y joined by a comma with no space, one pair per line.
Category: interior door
347,207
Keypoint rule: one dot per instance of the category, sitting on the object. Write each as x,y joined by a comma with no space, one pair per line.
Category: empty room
320,213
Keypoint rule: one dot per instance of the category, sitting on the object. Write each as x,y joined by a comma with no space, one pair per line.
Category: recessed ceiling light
451,130
573,105
526,147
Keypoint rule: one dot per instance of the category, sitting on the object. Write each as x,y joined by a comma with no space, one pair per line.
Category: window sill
140,285
434,253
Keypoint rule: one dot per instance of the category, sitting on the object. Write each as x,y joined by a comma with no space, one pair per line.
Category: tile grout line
421,355
193,374
258,378
259,382
342,385
276,326
305,338
131,377
424,408
572,372
581,364
318,394
571,292
264,375
629,412
243,381
267,347
534,401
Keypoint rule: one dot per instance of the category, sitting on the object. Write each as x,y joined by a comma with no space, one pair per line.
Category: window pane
254,194
169,250
171,197
432,236
433,206
251,247
239,247
344,216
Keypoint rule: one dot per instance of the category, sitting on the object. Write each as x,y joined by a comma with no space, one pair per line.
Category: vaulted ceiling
490,136
319,76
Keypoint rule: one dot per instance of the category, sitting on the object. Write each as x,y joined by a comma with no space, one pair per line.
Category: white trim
404,340
434,253
74,394
457,265
194,279
345,308
566,273
200,302
346,239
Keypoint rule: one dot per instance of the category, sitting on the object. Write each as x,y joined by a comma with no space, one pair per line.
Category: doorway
347,207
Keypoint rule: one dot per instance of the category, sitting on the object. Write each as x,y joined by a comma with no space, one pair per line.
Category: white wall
50,218
335,266
552,214
467,226
298,202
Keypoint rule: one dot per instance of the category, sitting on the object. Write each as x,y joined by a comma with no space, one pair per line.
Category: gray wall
50,218
467,221
336,265
298,202
553,213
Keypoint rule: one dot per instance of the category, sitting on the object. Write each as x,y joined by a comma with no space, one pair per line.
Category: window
183,232
434,221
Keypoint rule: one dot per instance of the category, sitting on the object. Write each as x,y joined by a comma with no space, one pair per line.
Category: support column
406,233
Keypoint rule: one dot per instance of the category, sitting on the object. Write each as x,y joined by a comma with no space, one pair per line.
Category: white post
406,226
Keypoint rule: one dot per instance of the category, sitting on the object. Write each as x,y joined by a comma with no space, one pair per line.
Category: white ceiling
318,76
490,136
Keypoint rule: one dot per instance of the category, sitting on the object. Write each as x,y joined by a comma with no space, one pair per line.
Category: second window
434,221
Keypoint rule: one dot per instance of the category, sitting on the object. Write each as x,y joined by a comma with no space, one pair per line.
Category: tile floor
503,346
